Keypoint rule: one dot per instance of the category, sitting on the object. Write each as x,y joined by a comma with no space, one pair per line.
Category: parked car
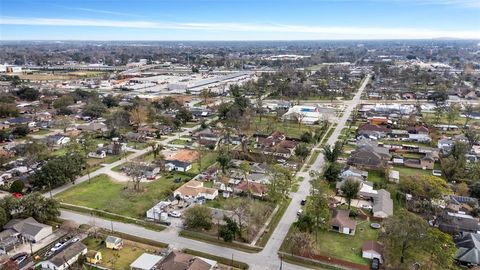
300,212
74,240
366,207
19,257
375,264
437,172
56,247
303,202
175,214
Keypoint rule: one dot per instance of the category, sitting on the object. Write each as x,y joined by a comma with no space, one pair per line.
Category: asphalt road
267,258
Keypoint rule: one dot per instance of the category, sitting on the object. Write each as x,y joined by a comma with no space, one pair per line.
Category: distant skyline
238,19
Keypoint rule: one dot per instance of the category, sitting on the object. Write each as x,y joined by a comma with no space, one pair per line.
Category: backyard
119,198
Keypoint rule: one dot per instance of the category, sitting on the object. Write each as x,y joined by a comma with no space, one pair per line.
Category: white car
437,172
366,207
56,247
300,212
175,214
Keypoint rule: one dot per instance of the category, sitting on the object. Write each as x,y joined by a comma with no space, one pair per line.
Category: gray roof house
468,252
382,204
29,229
65,257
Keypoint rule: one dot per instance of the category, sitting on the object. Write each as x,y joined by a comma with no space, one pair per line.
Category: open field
104,194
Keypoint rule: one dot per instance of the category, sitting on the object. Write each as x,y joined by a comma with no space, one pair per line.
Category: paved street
267,258
107,169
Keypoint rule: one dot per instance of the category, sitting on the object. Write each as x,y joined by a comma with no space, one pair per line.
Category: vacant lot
291,129
104,194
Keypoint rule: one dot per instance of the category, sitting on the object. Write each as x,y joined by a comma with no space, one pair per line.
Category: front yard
291,129
119,198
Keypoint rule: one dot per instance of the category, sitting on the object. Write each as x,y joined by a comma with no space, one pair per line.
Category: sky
238,19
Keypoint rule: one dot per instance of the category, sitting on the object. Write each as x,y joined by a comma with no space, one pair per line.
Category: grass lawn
291,129
41,132
119,198
190,124
346,247
218,203
314,157
179,142
137,145
208,159
59,152
406,172
376,177
116,259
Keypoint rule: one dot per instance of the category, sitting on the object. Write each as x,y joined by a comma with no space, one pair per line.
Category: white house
100,154
66,257
29,229
177,165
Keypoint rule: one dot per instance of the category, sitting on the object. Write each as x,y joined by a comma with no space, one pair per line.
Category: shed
372,249
145,262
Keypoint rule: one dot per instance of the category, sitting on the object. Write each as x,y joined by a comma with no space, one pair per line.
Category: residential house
419,129
177,165
180,261
421,138
276,144
369,155
366,188
351,171
425,162
468,249
255,189
99,154
457,223
208,137
372,131
342,223
193,190
113,242
65,257
29,229
372,249
382,204
93,127
145,262
57,140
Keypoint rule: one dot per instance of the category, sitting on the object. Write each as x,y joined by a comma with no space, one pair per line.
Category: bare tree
135,173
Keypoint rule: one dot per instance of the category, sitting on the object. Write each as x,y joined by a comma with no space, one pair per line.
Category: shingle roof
67,254
468,248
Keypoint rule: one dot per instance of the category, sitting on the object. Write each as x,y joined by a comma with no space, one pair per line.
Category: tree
401,236
139,116
94,108
281,181
350,189
301,242
21,131
424,187
454,163
17,186
241,210
332,172
3,217
224,160
110,101
63,102
59,170
472,136
440,249
302,151
135,172
462,189
452,114
198,217
306,137
37,206
245,167
229,230
8,110
28,93
332,154
184,115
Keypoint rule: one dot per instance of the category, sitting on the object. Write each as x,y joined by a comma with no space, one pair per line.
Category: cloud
309,31
99,11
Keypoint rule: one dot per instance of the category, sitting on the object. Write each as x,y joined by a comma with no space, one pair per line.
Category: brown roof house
373,131
276,144
180,261
342,223
372,249
193,190
256,189
369,155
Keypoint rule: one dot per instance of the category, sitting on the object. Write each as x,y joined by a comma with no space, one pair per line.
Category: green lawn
115,259
314,157
41,132
346,247
405,171
268,124
104,194
180,142
208,159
